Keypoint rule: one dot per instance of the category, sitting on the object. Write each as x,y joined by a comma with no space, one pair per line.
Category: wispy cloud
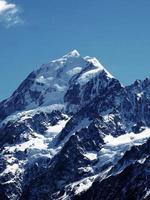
9,13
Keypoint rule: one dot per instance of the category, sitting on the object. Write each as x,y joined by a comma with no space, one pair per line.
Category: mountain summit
49,84
73,131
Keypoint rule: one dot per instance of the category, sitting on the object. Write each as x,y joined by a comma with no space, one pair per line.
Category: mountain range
72,131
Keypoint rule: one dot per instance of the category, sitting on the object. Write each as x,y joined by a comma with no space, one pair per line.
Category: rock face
73,131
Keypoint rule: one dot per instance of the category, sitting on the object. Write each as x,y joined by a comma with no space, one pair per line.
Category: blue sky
33,32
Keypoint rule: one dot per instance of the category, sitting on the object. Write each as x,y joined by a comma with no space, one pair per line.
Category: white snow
141,161
91,155
139,95
85,169
78,186
98,67
52,79
93,72
108,117
38,145
35,143
95,62
54,130
74,71
147,194
82,185
115,147
43,80
21,116
85,77
11,168
40,142
73,53
130,138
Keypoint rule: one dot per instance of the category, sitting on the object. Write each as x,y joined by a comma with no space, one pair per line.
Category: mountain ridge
68,128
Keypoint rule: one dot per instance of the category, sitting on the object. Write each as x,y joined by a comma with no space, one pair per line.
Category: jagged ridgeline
72,131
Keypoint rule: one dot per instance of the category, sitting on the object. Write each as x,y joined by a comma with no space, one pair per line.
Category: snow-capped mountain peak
94,61
73,53
49,84
69,124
